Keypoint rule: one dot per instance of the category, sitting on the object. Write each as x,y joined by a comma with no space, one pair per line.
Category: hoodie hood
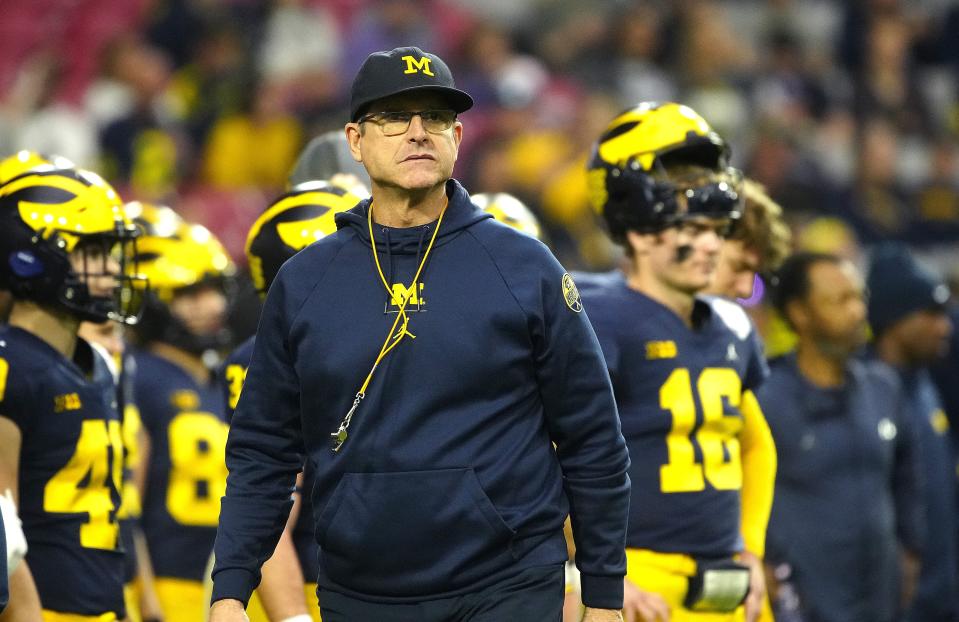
460,214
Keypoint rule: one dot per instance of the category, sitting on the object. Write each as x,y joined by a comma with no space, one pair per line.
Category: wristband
13,532
303,617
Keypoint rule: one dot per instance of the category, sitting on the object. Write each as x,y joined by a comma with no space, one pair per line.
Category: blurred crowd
848,112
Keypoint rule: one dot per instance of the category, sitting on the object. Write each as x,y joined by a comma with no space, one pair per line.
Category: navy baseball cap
404,70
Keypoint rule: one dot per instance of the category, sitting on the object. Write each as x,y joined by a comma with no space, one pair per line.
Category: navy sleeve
264,453
584,424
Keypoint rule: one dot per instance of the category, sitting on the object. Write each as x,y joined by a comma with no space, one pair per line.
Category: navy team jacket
449,480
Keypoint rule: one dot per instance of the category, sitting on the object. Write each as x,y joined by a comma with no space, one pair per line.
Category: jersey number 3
717,436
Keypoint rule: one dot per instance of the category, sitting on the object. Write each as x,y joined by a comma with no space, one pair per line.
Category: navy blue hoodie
449,480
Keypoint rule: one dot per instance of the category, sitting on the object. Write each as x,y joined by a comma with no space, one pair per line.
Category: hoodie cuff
602,592
234,583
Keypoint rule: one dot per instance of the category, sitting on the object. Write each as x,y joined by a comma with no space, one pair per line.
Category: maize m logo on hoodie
401,292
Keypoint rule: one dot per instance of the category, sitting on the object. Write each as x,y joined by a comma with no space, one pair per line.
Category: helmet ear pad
34,269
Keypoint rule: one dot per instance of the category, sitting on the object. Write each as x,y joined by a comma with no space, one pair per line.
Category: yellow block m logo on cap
416,66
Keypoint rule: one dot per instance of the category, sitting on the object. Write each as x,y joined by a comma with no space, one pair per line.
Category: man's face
202,309
834,312
97,266
108,334
736,272
924,335
416,159
684,258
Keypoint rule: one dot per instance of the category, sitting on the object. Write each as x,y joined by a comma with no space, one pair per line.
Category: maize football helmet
631,176
510,211
176,256
23,161
291,223
47,214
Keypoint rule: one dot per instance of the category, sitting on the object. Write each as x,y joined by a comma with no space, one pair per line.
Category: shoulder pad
732,316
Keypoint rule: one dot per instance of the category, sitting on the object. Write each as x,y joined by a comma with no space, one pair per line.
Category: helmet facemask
98,257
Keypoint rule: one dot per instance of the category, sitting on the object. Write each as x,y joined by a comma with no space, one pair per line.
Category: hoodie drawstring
394,337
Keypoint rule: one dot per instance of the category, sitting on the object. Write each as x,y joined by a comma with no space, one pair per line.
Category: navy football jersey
71,460
678,390
186,476
304,540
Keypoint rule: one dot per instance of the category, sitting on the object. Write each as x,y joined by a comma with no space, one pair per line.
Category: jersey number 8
198,477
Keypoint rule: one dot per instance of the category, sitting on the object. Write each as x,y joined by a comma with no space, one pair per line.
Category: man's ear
639,242
458,132
797,315
353,135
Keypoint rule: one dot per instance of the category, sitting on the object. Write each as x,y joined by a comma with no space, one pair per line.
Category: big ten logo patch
67,401
415,66
185,399
413,295
660,350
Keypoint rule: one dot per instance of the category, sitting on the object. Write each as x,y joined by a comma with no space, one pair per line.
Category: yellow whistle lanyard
395,336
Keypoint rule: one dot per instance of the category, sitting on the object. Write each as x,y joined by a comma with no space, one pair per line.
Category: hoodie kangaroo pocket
411,533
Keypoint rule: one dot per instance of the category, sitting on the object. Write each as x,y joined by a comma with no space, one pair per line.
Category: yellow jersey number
130,502
84,484
198,475
4,370
717,436
235,375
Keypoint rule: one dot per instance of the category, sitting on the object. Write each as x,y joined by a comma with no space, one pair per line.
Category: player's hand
640,606
757,585
228,610
602,615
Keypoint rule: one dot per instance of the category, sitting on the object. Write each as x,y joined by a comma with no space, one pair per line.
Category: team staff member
181,404
426,358
848,490
684,369
908,316
64,240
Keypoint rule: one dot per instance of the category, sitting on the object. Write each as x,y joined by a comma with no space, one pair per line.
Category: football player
759,243
684,367
181,406
65,243
292,222
138,590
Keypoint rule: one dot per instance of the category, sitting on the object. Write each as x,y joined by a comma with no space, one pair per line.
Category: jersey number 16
717,436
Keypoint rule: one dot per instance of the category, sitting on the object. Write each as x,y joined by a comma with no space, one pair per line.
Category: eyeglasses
396,122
